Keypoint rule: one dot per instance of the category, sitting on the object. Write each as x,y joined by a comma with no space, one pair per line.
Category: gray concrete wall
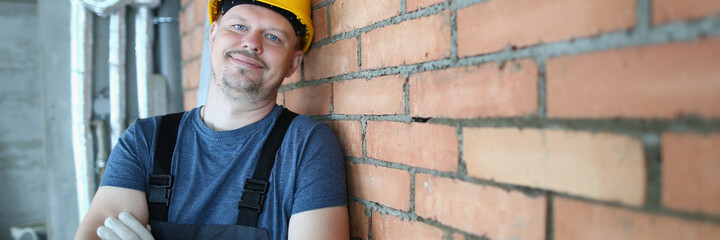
62,216
22,180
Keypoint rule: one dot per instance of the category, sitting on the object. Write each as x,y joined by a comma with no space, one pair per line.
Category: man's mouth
245,59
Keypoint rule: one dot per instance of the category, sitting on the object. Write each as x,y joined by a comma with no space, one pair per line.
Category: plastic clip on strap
161,181
160,189
254,194
256,188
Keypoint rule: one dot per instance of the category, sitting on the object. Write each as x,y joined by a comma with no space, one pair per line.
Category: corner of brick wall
504,119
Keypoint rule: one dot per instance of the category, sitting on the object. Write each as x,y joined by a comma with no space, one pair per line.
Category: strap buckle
257,186
160,189
253,194
161,180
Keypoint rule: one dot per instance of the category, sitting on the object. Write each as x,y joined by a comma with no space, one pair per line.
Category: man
208,192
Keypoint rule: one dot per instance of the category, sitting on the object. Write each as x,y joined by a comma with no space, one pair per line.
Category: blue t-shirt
210,169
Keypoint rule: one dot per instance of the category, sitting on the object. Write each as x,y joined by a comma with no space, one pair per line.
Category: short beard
248,91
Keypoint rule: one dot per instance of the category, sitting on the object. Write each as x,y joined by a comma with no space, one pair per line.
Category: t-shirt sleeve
321,173
128,161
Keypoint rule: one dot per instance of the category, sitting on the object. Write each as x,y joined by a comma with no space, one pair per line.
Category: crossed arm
325,223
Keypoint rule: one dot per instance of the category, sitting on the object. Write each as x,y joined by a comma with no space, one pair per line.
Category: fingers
142,232
106,234
120,229
126,227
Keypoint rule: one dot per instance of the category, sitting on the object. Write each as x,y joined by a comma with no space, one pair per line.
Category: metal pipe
168,54
144,57
143,40
81,59
102,152
116,65
81,68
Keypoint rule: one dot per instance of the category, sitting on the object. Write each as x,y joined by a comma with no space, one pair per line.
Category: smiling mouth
245,59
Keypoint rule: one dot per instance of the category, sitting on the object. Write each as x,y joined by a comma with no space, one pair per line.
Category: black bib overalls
250,205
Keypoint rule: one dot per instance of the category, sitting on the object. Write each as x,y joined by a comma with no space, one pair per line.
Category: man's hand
124,228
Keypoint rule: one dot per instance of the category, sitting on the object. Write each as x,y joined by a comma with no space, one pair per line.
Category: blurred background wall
22,171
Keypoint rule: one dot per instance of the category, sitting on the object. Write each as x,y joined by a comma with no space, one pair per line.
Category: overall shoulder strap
256,188
161,181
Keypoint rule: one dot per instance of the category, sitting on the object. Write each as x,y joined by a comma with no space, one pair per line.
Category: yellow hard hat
301,21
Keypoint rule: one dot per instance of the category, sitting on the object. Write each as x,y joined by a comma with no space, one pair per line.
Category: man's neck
222,115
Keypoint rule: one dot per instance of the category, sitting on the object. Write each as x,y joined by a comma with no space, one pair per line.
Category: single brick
690,172
414,5
680,10
192,44
190,98
332,59
319,19
458,236
434,146
493,25
386,186
423,39
423,145
349,134
188,19
359,221
198,39
657,81
190,74
313,100
388,227
201,13
388,141
347,15
476,91
182,21
378,96
480,210
581,220
602,166
186,47
294,78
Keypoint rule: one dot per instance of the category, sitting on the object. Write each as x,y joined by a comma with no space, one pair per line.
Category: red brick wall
512,119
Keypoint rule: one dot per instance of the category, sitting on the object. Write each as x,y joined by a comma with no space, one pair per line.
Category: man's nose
253,42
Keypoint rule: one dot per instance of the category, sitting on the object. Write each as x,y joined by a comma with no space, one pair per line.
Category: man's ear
297,59
213,30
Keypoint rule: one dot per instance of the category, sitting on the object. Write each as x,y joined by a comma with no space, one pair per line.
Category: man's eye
272,37
240,26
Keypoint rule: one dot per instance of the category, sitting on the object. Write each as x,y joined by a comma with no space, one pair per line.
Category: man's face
252,49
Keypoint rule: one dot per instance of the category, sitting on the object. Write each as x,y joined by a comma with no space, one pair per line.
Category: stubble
238,84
